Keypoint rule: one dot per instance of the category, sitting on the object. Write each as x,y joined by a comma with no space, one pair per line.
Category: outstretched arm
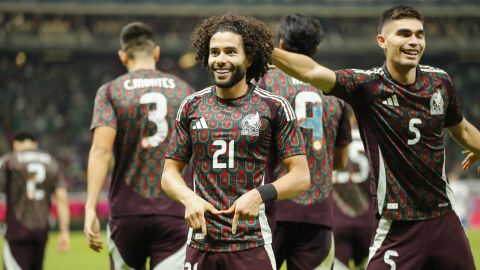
305,69
467,136
176,188
99,160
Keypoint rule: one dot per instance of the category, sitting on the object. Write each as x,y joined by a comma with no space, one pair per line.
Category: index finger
235,223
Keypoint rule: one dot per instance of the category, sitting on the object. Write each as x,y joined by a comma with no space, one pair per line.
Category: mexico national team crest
436,104
250,124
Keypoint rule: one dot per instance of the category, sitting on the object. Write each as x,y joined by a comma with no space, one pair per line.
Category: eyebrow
406,30
224,48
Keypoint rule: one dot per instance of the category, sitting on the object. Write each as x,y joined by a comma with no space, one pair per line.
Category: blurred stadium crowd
52,63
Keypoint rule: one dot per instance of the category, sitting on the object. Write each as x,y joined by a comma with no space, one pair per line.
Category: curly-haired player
235,133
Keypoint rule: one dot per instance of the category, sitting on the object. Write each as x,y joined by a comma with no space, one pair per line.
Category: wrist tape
267,192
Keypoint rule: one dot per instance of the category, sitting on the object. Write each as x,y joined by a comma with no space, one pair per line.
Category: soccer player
132,119
234,132
29,177
402,108
353,222
303,233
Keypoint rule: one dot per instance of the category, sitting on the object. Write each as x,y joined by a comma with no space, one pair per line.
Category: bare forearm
174,185
467,136
297,180
98,164
63,210
304,68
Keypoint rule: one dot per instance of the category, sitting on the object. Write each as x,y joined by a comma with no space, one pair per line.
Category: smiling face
227,61
403,42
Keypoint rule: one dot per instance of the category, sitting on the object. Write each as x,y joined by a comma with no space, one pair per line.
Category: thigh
260,258
397,245
199,260
314,248
449,247
281,242
168,243
18,255
126,243
39,254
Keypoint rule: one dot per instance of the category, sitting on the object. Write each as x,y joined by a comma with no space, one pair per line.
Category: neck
403,75
236,91
141,63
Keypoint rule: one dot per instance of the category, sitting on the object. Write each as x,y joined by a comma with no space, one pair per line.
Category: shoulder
434,72
190,100
276,101
360,75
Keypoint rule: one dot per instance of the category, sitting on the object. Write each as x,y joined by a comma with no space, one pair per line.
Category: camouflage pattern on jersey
29,179
324,124
402,129
234,144
141,106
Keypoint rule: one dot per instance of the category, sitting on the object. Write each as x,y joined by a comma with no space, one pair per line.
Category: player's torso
318,117
145,103
407,125
32,179
231,145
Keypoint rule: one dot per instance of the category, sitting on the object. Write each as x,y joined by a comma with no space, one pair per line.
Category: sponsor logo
200,124
391,101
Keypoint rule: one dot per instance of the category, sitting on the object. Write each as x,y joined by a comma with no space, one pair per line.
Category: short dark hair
136,36
398,13
257,40
301,34
23,135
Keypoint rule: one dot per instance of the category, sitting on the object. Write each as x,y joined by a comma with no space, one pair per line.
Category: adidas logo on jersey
200,124
391,101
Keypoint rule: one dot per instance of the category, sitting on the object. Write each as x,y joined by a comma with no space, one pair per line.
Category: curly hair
257,40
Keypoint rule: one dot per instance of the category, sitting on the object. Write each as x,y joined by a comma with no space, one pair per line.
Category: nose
221,58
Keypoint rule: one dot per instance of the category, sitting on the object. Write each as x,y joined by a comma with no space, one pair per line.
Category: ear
122,55
381,41
249,61
281,44
156,53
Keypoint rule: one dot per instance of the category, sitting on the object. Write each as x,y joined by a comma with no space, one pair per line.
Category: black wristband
268,192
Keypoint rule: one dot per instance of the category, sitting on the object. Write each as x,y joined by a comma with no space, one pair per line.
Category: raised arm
305,69
99,160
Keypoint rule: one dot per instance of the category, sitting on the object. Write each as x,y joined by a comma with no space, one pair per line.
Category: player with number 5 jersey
235,133
133,117
402,109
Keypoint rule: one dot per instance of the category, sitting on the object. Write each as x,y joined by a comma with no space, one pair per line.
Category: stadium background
55,54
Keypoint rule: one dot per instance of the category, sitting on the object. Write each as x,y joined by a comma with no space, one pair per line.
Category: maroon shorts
438,243
131,240
353,235
24,254
303,245
260,258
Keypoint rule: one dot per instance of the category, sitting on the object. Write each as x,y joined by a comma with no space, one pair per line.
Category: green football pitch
80,257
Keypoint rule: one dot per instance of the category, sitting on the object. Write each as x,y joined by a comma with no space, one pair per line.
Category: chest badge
250,124
436,104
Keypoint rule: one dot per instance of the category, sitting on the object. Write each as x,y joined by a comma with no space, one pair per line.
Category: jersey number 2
157,116
39,174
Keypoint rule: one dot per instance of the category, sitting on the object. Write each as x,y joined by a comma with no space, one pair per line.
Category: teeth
411,52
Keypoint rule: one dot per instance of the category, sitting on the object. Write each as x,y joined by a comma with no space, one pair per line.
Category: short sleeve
344,135
349,84
454,113
286,132
180,146
103,112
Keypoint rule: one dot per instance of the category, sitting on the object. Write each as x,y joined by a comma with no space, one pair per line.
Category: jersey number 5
39,173
414,130
157,116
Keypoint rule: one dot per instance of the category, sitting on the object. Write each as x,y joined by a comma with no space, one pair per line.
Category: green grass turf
81,257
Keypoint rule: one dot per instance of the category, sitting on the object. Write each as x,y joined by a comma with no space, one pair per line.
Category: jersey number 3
157,116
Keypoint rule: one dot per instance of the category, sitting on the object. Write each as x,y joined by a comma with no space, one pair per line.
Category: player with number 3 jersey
133,117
